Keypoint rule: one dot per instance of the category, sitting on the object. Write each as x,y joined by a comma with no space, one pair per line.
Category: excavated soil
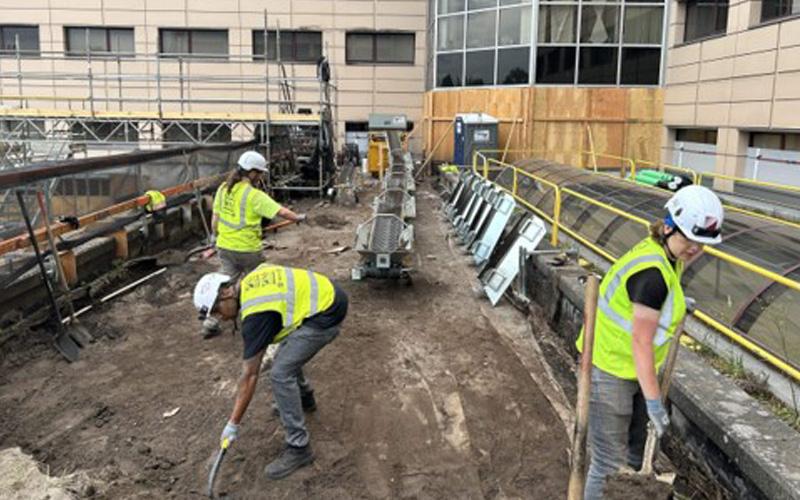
633,487
427,393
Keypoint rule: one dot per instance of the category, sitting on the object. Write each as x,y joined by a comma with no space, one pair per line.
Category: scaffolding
95,104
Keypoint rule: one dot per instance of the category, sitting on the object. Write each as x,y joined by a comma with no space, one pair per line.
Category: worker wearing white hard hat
239,207
300,311
640,306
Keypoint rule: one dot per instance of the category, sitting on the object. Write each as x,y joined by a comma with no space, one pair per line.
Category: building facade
732,88
209,55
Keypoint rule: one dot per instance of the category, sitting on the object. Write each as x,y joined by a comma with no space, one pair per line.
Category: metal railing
482,165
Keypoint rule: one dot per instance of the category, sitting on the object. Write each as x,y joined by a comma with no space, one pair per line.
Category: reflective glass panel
480,68
481,29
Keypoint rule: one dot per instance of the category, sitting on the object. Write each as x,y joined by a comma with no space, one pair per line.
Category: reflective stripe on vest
664,320
242,211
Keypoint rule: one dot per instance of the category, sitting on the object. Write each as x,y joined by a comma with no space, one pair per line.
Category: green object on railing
653,177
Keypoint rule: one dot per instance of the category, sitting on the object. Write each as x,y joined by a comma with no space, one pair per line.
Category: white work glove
658,415
302,217
212,240
229,433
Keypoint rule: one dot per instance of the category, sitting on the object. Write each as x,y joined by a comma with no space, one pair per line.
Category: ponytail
657,231
234,177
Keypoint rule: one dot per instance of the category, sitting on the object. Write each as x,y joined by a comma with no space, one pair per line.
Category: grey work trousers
234,263
288,380
617,429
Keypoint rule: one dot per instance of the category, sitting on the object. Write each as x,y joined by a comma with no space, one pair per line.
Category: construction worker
296,308
156,201
236,221
640,305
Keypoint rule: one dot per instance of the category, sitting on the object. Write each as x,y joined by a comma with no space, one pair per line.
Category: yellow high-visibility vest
613,337
157,201
296,294
239,229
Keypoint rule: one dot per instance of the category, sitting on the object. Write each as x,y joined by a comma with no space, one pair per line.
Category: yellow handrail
772,185
555,221
630,162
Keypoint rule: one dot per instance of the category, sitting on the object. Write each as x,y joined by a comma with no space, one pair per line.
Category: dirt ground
427,393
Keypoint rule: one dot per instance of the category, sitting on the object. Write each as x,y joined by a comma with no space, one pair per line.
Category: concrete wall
743,80
363,88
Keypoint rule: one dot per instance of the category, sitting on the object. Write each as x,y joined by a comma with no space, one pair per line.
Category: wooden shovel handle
577,476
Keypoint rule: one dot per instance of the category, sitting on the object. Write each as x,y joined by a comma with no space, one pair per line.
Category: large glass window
451,33
598,65
515,26
193,42
480,68
557,23
102,41
705,18
585,42
481,29
772,9
512,66
28,37
296,46
555,65
379,48
449,68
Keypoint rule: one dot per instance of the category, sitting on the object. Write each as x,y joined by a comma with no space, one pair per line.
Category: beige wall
363,88
748,79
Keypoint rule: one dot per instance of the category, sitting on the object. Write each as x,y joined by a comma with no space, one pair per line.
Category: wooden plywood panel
607,103
645,105
643,141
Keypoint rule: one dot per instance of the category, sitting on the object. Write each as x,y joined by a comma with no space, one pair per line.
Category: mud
636,487
423,394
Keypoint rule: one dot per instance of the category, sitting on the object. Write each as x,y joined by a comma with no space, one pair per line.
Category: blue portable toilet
473,131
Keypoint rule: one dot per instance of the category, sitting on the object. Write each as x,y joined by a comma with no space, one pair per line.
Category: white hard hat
697,212
250,160
206,290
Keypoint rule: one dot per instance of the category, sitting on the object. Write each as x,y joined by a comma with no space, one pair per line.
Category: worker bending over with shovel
299,309
640,306
236,221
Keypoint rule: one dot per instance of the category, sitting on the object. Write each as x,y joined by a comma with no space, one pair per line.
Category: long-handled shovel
76,330
212,475
65,344
666,380
577,471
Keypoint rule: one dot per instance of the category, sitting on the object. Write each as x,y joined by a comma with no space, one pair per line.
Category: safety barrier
557,225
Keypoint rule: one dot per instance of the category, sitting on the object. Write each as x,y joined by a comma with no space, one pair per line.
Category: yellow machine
378,154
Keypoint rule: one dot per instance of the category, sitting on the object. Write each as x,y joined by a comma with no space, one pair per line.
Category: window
479,68
598,65
705,18
449,68
515,26
599,23
781,141
640,66
450,6
481,4
555,65
102,41
512,66
379,48
557,23
481,29
643,25
82,186
28,37
772,9
296,46
451,33
105,131
701,135
196,42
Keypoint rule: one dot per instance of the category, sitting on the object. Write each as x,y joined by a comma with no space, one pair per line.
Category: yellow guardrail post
556,216
514,182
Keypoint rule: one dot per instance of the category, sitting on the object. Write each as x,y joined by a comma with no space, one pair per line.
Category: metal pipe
48,170
266,139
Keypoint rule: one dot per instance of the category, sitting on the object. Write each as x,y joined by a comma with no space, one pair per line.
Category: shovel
64,343
666,380
77,331
212,475
576,474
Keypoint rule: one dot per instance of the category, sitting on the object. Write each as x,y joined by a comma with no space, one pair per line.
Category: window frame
190,54
778,17
717,32
374,35
22,53
108,53
258,34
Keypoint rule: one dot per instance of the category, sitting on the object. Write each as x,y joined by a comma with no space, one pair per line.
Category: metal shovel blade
67,346
212,476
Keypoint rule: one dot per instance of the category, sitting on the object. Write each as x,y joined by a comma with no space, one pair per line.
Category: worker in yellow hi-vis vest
297,309
236,221
639,308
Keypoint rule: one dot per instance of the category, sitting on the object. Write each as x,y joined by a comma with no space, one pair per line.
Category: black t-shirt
647,287
258,330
